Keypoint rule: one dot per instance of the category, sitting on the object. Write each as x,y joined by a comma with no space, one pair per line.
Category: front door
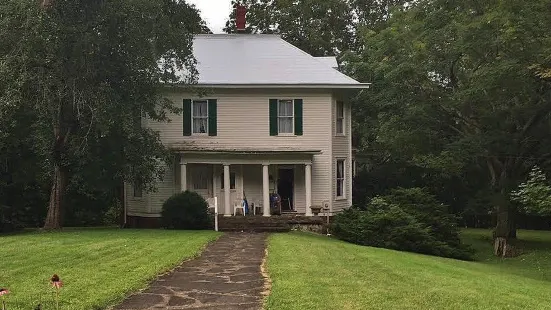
233,188
285,188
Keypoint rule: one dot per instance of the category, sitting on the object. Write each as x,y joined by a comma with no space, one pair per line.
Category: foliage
83,73
534,194
8,223
315,272
407,220
187,210
321,28
455,91
99,267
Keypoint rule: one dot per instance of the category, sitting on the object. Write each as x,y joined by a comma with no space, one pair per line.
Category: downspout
124,204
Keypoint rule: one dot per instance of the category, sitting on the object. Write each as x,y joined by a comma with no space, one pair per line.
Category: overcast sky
214,12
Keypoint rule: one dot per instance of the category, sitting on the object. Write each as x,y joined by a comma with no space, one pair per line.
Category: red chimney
240,18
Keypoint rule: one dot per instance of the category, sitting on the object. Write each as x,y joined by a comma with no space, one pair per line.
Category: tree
321,28
456,89
88,71
535,194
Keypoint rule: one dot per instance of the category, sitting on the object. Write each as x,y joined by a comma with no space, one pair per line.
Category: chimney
240,19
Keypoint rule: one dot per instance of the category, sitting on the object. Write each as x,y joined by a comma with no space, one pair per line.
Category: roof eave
294,86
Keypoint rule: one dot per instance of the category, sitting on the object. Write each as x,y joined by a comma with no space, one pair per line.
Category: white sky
214,12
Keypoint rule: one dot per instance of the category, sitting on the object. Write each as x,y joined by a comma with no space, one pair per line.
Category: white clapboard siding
342,149
243,122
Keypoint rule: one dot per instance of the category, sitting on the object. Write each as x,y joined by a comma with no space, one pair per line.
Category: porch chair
257,206
238,204
211,205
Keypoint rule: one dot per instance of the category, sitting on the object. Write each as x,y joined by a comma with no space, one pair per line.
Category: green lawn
98,266
315,272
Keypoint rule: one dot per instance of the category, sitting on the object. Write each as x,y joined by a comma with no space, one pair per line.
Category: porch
254,176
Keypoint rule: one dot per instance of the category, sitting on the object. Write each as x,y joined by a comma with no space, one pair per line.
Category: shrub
406,220
7,222
187,210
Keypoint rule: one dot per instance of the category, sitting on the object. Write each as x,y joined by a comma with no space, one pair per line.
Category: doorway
285,188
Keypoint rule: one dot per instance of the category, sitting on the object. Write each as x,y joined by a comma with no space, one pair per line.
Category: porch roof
195,149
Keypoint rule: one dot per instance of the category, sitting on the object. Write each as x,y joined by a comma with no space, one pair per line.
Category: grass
316,272
97,266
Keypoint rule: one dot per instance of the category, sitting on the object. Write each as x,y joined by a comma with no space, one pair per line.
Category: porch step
255,229
281,223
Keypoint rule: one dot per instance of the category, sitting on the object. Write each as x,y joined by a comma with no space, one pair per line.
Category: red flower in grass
4,291
56,281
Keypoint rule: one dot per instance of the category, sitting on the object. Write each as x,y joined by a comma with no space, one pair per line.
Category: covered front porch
254,175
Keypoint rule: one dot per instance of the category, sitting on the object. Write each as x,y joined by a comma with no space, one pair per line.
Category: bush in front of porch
187,210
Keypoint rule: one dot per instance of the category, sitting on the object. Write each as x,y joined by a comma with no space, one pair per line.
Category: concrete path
227,276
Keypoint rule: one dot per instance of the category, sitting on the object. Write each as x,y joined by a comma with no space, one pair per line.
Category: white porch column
308,186
266,190
227,206
183,179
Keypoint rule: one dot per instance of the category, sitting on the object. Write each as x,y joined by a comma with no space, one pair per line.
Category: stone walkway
227,276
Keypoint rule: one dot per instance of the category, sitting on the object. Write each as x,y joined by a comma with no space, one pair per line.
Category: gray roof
331,61
250,59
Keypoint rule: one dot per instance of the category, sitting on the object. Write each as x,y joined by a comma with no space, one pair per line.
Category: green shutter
213,117
187,117
298,117
273,117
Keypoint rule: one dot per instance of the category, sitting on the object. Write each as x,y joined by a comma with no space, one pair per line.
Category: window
200,116
200,181
138,190
340,178
285,117
340,118
232,180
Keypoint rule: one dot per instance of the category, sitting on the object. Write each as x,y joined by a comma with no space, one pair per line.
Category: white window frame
193,118
292,117
341,179
340,130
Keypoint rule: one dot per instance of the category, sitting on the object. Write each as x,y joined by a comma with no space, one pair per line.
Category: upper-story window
340,118
200,117
285,117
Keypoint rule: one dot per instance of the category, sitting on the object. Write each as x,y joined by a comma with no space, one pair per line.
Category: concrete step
255,229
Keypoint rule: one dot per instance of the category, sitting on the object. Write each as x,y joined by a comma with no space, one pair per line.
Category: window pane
340,109
200,181
285,108
340,169
200,125
200,108
340,124
339,188
285,125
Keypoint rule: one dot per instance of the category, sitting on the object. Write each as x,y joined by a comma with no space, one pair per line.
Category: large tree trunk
54,218
505,233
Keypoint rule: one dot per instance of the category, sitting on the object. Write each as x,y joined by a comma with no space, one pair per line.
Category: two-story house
273,119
